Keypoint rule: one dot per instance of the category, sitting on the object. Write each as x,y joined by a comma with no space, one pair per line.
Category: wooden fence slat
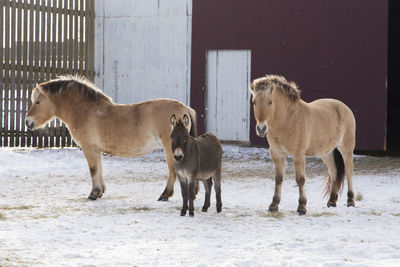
18,85
36,76
91,41
12,86
42,61
6,86
81,41
29,137
76,36
2,132
24,95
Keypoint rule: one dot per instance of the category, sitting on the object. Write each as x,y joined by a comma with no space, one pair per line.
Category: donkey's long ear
185,120
173,120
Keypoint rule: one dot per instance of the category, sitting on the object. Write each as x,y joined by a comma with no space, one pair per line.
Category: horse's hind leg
217,188
207,186
349,167
332,184
169,158
95,167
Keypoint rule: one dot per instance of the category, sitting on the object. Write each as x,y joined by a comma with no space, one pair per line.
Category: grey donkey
196,158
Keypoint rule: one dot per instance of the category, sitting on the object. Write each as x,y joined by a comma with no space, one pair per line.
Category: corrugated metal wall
143,49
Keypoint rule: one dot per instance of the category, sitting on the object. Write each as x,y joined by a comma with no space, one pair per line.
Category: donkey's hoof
331,204
92,197
351,204
162,198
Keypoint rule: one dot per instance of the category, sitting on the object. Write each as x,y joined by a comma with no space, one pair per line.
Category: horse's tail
193,119
340,172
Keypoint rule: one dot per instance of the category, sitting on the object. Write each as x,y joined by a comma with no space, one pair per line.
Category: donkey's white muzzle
178,154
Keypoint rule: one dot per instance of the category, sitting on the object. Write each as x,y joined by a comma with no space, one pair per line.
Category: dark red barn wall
329,48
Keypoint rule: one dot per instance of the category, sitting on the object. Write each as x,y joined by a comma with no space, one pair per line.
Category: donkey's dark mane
288,88
64,83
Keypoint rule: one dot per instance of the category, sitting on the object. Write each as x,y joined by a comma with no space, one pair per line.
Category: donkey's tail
193,119
340,172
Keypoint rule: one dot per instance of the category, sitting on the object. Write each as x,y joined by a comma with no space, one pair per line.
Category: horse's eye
37,102
270,102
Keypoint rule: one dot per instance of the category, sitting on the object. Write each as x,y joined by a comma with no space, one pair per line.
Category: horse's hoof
301,212
191,213
331,204
351,204
162,198
183,212
204,209
219,209
273,209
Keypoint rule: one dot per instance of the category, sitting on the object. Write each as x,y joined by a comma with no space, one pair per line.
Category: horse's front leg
279,163
94,160
299,166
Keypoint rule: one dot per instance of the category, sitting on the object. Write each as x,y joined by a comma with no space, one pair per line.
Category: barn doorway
227,94
393,91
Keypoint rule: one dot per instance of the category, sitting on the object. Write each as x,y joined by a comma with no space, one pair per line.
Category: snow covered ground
46,220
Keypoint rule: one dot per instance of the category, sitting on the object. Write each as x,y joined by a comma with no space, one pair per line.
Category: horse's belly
136,149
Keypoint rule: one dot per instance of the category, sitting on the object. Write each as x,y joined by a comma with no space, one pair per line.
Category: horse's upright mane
64,83
288,88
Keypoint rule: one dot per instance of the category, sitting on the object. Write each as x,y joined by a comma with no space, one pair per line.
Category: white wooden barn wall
143,48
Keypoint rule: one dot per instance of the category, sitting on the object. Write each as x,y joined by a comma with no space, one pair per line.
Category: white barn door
227,103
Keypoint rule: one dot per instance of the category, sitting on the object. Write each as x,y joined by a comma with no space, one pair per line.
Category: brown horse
325,127
99,125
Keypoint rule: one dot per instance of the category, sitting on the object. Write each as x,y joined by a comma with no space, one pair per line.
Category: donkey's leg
95,167
329,161
299,166
169,158
184,188
207,186
349,167
192,195
279,162
217,188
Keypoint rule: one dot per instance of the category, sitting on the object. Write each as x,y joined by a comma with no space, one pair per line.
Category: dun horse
196,159
325,127
99,125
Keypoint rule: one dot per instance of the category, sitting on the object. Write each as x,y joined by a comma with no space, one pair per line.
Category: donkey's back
209,154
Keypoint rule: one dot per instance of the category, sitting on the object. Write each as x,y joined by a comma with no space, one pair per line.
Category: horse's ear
185,120
173,120
251,87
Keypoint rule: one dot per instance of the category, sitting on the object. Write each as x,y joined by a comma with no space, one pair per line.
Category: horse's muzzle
29,123
261,130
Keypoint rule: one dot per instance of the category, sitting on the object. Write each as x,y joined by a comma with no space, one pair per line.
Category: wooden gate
40,39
